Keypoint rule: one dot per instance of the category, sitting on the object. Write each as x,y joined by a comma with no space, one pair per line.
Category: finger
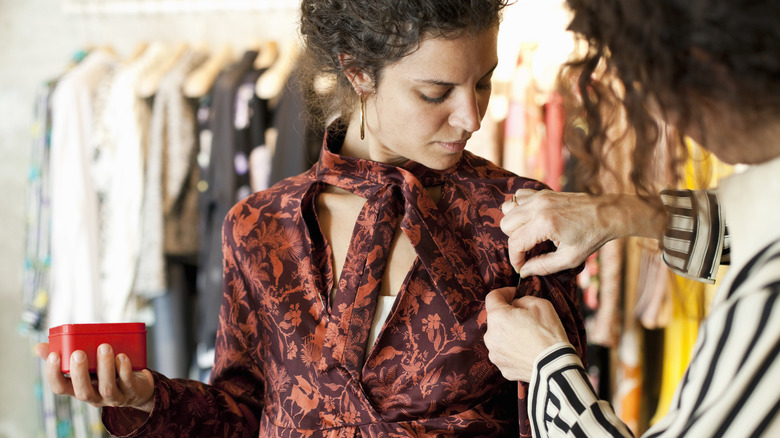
517,260
106,373
507,206
127,377
529,302
549,263
137,387
42,350
523,195
514,218
81,380
58,383
499,298
124,371
521,241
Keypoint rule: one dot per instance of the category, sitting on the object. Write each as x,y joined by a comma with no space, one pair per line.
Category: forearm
218,412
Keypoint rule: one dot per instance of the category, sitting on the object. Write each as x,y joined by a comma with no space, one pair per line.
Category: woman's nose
467,115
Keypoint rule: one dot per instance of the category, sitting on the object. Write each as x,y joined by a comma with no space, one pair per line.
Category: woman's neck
353,145
738,140
367,148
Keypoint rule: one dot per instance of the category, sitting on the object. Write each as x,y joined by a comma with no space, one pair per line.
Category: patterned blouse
291,362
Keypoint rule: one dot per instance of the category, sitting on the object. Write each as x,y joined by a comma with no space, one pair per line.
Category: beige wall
37,38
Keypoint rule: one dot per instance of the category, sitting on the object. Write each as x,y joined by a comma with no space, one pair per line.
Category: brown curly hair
373,34
668,58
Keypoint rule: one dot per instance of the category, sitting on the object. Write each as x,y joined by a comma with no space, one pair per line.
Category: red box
128,338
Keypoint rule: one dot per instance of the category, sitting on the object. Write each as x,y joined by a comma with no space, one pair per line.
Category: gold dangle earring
362,117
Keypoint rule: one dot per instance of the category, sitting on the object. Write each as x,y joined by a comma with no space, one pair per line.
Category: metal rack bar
137,7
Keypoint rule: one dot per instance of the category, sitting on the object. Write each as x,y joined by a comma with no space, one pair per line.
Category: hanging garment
37,248
518,126
75,269
120,143
169,234
250,124
170,159
680,335
37,261
218,178
554,120
74,290
291,362
297,143
604,329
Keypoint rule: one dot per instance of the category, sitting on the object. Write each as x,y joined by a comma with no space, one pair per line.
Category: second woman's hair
669,59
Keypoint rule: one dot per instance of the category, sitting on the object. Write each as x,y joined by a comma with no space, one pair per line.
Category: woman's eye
439,99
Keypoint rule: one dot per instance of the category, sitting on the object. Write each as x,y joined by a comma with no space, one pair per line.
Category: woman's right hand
578,224
117,384
518,331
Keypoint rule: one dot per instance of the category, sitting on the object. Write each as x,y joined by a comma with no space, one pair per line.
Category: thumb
498,298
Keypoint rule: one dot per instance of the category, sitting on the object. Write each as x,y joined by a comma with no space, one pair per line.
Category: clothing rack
138,7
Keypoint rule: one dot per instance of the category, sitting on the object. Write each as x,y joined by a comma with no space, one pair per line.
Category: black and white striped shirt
731,385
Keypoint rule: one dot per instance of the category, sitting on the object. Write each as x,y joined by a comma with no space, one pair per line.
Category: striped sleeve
562,401
696,240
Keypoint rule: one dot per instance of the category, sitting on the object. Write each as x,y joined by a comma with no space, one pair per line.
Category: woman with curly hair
353,294
711,69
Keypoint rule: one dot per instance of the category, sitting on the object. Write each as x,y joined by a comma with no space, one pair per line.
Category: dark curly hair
373,34
676,57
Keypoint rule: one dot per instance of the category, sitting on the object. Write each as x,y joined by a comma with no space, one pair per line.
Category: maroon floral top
292,363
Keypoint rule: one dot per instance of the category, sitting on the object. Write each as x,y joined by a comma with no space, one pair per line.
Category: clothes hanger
147,86
139,49
199,82
268,54
269,85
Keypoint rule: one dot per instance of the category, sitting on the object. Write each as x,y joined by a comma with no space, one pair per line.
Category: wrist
557,349
640,218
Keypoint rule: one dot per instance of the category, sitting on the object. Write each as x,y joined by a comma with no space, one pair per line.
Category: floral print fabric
291,362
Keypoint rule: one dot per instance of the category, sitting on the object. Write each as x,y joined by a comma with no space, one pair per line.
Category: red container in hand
127,337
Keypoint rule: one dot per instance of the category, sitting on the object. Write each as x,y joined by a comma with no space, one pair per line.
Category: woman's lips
453,146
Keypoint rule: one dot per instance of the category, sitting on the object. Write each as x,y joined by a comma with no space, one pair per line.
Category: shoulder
754,291
762,273
487,181
274,207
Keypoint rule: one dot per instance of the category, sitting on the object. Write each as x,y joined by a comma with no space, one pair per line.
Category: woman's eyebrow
452,84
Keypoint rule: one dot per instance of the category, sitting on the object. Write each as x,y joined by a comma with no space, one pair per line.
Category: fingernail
77,356
523,273
121,357
52,358
104,349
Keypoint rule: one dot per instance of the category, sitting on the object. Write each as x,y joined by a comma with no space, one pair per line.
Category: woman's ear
361,81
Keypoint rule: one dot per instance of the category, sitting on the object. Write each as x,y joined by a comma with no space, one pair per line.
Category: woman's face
428,104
